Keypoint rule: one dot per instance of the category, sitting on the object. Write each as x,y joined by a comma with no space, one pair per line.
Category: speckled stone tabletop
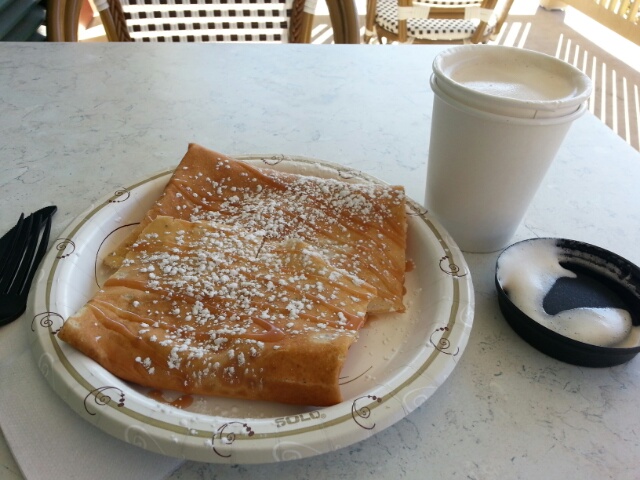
80,121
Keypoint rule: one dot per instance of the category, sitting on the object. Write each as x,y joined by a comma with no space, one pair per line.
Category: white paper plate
397,363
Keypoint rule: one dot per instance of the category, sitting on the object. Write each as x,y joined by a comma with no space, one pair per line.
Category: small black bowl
603,280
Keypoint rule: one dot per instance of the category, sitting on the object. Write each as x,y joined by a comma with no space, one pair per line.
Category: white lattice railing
621,16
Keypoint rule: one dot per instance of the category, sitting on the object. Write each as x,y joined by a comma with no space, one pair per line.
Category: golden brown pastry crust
210,309
359,227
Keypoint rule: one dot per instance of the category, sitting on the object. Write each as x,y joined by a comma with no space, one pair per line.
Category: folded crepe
204,308
358,227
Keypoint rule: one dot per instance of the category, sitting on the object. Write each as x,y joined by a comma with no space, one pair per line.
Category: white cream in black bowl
573,301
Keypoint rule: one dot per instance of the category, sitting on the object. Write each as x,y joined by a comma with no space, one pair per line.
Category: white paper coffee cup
492,144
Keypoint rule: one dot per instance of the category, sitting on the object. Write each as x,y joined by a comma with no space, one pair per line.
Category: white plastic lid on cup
511,81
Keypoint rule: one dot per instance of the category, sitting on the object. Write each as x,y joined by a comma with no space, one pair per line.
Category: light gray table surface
79,121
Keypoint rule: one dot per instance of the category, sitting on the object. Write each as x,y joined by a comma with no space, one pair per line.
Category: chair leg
344,19
71,20
55,20
301,22
114,21
503,16
370,21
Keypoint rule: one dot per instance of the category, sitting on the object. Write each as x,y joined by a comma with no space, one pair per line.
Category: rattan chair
434,21
215,20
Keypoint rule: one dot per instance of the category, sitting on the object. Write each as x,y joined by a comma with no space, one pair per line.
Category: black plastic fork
21,251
